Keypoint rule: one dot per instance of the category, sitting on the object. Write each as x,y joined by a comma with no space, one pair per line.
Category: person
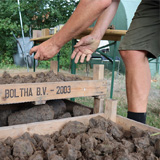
140,42
84,15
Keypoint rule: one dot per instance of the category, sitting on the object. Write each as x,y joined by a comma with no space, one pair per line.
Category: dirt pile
100,140
40,77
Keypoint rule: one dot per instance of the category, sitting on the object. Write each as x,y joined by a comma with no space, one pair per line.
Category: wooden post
111,109
54,66
98,74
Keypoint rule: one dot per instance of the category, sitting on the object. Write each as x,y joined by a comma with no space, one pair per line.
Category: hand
45,50
84,48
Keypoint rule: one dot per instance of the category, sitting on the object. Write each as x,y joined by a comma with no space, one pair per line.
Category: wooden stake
98,105
98,74
111,109
54,66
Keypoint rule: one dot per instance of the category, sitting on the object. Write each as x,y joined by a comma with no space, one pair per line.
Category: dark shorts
144,31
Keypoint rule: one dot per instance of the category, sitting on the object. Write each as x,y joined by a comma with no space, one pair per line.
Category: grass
13,66
153,111
16,69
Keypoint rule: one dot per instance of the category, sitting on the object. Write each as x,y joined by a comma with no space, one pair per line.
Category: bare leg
138,80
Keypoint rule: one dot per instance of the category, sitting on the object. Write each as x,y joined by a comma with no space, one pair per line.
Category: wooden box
41,92
49,127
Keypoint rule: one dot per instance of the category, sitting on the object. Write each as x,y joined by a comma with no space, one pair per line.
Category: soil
58,106
4,117
40,77
28,113
80,111
100,140
35,114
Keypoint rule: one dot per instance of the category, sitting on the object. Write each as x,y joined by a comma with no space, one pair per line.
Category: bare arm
105,19
88,44
85,14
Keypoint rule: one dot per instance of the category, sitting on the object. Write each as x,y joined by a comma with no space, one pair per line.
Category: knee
124,54
133,56
128,57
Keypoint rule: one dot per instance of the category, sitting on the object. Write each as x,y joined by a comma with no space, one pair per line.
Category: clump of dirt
65,115
58,106
40,77
100,140
28,113
22,148
80,111
35,114
4,117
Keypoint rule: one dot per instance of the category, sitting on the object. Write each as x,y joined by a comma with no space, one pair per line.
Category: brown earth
34,114
28,113
100,140
50,76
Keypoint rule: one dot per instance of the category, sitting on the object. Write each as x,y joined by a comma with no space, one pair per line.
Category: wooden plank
113,35
41,39
111,109
98,74
109,35
127,123
42,128
29,92
49,127
108,32
105,37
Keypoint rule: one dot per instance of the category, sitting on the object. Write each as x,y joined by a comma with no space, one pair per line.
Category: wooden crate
89,87
49,127
40,92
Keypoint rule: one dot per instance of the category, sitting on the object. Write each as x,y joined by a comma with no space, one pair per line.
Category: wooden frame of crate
39,93
88,87
49,127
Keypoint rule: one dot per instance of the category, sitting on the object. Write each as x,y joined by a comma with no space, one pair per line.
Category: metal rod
20,16
58,59
73,65
113,68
